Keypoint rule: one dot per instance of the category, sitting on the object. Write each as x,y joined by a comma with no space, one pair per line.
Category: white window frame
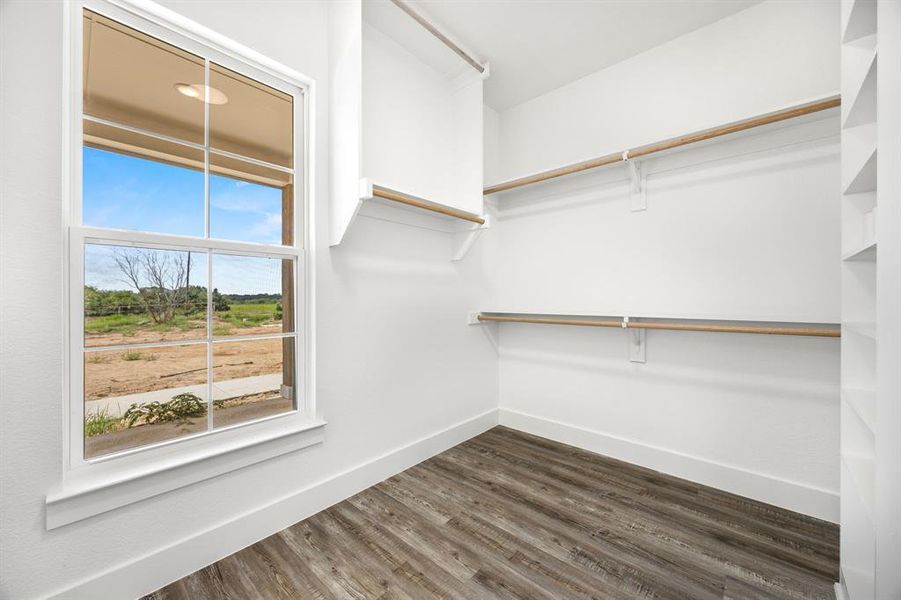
94,485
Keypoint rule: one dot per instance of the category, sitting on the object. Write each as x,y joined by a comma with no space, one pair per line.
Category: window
186,241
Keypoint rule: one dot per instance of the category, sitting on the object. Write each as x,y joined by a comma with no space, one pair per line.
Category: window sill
84,495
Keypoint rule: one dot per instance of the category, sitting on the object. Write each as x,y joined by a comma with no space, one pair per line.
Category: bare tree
159,278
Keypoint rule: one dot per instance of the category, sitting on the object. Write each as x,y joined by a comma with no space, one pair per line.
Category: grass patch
100,422
251,314
96,358
130,355
124,324
222,329
128,325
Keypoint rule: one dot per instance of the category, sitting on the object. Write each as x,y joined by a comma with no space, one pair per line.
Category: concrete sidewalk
116,406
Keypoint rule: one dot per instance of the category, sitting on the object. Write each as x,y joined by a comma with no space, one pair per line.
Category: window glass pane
140,295
250,203
133,181
252,295
250,118
133,78
252,379
135,397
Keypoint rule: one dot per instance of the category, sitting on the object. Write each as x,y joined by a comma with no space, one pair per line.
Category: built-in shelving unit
406,121
859,413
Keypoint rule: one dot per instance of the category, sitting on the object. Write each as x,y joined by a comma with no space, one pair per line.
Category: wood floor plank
709,502
633,562
510,515
744,510
767,542
685,532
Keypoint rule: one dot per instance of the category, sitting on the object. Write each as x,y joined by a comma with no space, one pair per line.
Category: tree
220,302
159,278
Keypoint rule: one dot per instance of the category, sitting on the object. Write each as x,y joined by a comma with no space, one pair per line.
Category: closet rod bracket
464,240
638,345
637,192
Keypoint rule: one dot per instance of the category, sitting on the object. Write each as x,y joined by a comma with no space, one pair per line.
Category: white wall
770,55
744,229
391,308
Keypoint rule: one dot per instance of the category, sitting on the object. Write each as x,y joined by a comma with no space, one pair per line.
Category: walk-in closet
545,299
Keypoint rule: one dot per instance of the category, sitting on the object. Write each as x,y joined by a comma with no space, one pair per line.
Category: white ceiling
535,46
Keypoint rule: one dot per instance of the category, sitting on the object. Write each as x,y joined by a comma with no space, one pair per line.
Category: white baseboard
168,564
808,500
840,592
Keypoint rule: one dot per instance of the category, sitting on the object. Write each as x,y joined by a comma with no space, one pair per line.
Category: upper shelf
860,91
859,159
405,114
859,20
865,252
684,140
378,191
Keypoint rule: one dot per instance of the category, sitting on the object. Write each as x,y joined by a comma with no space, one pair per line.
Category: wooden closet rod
553,321
387,194
623,323
691,138
437,33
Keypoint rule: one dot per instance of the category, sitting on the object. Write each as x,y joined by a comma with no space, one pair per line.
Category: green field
250,314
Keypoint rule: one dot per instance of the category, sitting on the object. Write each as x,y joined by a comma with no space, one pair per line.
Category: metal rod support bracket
637,193
638,345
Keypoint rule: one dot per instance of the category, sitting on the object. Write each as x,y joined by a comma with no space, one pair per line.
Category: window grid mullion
209,342
207,233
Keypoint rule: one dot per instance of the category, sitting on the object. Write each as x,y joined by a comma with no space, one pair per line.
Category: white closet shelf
670,324
863,473
406,116
372,190
862,402
770,118
860,20
864,252
864,328
384,204
861,101
864,176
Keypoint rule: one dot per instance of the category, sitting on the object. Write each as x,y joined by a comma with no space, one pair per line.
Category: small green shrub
132,355
98,358
222,330
98,423
180,408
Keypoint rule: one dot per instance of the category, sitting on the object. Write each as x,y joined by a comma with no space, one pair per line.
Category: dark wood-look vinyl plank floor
510,515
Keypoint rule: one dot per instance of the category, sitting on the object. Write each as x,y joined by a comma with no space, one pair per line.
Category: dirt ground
120,372
144,336
229,414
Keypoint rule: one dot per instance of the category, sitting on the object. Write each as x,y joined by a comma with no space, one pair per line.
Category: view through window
186,327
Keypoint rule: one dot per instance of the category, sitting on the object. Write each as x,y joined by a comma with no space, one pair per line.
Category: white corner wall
742,229
391,319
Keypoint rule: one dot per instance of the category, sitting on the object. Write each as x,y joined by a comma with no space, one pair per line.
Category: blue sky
125,192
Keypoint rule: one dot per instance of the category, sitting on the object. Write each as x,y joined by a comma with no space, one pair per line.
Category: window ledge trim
84,497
